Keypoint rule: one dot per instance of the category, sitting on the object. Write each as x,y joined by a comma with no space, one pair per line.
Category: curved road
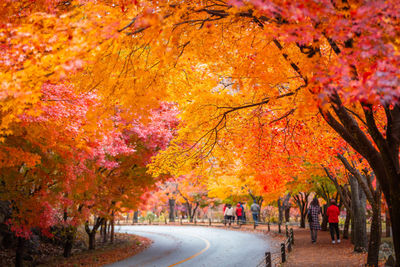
196,246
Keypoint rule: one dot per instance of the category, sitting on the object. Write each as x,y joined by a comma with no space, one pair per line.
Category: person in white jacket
229,213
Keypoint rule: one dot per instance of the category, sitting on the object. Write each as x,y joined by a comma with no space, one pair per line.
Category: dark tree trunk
324,223
283,203
92,240
287,213
375,236
387,222
70,233
135,216
171,203
112,228
189,211
394,212
302,202
105,231
302,221
92,232
346,225
280,211
358,204
374,196
19,253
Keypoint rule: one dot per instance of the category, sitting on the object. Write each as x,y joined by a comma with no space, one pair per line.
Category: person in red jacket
333,219
239,213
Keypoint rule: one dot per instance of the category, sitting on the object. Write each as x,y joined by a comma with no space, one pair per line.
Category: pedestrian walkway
323,253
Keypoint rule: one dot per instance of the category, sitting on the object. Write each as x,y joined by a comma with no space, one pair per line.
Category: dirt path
323,253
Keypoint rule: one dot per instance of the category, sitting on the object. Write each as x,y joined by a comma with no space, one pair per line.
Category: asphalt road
196,246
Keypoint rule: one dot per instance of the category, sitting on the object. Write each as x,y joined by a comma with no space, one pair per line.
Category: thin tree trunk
375,236
394,212
287,212
189,211
388,225
171,203
280,210
105,231
19,253
112,228
358,204
346,225
324,223
302,202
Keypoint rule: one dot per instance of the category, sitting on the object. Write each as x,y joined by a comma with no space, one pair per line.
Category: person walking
229,213
333,219
223,212
255,211
239,213
243,212
313,218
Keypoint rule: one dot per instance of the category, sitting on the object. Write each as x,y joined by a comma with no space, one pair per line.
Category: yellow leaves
48,47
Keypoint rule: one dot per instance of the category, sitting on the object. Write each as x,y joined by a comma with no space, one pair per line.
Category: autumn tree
218,60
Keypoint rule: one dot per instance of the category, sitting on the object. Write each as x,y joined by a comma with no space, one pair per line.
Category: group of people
239,212
230,212
333,218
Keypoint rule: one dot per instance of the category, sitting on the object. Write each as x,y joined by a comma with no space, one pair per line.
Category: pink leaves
366,64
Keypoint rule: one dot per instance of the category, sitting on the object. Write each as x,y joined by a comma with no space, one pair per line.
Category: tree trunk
70,232
346,225
394,212
105,231
171,203
387,222
112,228
302,220
280,210
92,232
189,211
358,204
324,223
135,216
287,213
375,236
19,252
302,202
92,240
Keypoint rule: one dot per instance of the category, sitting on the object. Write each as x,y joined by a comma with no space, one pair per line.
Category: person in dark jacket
333,219
313,217
255,211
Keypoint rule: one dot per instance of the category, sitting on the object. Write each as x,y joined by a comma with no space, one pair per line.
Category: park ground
46,254
321,254
304,253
